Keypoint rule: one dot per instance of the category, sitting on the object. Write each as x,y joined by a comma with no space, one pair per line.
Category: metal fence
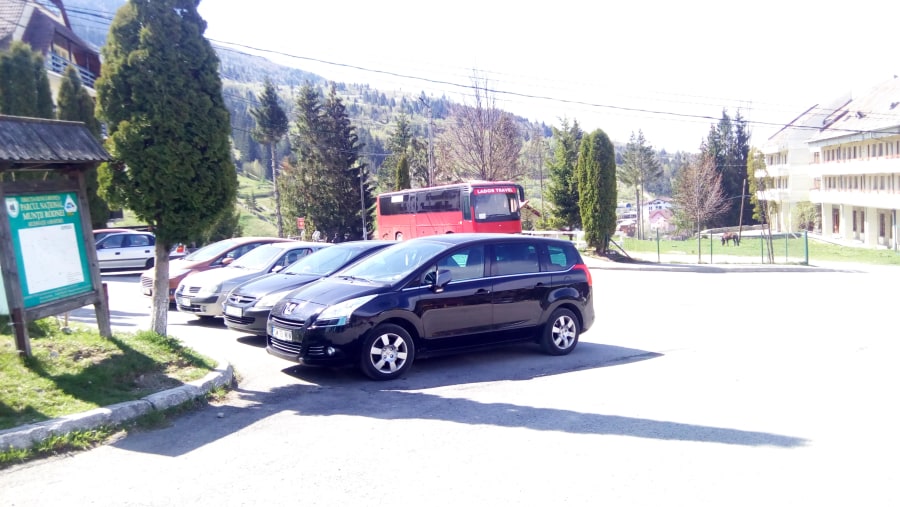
716,248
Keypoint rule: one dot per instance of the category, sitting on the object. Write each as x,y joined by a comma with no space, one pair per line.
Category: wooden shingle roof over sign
33,143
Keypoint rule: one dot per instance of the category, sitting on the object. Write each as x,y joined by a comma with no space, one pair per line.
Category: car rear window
562,257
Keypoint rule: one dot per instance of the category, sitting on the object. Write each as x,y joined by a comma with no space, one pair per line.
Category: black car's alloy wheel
387,352
561,333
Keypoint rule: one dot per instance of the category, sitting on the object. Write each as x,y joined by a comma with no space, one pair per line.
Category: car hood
227,276
314,297
176,267
334,290
274,282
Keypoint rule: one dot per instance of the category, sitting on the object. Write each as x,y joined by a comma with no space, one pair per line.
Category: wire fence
789,248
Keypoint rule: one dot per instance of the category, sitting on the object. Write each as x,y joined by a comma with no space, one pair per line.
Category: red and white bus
476,206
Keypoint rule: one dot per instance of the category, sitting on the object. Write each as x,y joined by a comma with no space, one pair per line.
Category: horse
731,236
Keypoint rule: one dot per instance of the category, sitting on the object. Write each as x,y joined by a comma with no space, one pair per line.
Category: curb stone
24,437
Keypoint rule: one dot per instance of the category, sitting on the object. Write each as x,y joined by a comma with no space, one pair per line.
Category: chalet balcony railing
58,64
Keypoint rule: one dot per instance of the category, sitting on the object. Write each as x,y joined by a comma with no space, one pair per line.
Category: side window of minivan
465,264
515,258
560,259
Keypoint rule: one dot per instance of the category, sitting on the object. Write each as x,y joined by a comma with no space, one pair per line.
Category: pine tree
640,168
271,125
24,86
728,145
161,96
331,181
562,189
402,177
596,175
74,103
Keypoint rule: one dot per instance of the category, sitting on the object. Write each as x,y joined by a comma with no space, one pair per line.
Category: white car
205,293
126,250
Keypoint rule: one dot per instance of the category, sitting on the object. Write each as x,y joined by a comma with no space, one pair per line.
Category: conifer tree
74,103
402,178
596,174
728,145
161,96
24,86
271,125
640,168
331,181
562,189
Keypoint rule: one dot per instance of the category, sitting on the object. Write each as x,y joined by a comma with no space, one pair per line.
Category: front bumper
328,346
210,306
250,320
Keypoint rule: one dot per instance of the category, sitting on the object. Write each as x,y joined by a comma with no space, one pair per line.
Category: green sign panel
46,235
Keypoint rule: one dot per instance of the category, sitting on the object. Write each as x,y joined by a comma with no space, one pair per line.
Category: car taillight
587,273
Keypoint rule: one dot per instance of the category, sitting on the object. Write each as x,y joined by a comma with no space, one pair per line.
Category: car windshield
325,261
210,251
259,258
394,262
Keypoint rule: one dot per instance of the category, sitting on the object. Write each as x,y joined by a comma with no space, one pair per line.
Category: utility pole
427,104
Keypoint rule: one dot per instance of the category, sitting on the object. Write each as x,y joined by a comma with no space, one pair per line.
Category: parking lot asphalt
26,436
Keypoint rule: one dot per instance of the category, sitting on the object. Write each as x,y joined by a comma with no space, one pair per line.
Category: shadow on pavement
342,392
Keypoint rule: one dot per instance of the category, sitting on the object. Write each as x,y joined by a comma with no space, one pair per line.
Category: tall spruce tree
596,174
24,86
331,181
74,103
161,96
271,125
640,168
728,144
402,179
562,189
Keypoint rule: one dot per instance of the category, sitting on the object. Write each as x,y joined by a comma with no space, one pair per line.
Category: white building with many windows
845,158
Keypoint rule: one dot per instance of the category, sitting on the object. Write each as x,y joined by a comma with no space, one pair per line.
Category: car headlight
339,314
209,290
268,301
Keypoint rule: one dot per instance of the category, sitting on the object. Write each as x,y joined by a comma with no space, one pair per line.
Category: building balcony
58,65
783,195
880,165
872,199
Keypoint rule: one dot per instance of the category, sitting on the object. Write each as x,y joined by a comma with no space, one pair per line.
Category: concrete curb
29,435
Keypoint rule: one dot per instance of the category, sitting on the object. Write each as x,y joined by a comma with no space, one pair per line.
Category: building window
881,224
880,149
854,220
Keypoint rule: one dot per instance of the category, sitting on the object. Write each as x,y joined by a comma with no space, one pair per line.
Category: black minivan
435,295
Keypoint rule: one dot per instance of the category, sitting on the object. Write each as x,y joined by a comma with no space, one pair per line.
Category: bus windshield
496,206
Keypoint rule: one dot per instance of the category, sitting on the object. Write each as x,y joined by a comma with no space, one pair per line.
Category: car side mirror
227,260
442,279
277,268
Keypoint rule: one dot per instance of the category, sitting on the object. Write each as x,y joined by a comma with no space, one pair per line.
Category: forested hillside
373,112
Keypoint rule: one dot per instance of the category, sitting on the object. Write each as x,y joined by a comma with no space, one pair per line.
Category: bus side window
466,206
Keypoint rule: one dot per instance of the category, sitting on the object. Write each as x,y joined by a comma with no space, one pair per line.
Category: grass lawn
786,250
73,372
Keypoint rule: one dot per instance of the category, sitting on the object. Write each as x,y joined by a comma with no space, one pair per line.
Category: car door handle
482,292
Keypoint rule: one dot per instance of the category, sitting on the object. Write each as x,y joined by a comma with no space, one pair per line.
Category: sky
667,69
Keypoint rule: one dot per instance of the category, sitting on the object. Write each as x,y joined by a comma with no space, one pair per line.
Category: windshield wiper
355,278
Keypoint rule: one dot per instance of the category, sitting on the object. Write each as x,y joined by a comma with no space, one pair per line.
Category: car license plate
282,334
234,311
185,301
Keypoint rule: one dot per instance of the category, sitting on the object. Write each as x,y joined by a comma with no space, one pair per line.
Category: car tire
398,236
560,334
149,263
387,352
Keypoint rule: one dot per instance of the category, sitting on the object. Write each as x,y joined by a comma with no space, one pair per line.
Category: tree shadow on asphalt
325,392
